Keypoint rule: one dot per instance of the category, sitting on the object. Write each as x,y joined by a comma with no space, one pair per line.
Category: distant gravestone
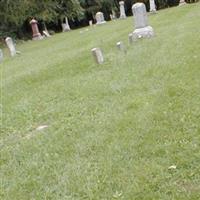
120,46
182,2
35,30
130,38
46,34
1,55
114,15
98,55
65,26
90,23
11,46
152,6
122,10
100,18
142,29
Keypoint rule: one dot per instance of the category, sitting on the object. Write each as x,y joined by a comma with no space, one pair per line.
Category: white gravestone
142,29
182,2
90,23
98,55
11,46
65,26
114,14
100,18
122,10
152,6
1,55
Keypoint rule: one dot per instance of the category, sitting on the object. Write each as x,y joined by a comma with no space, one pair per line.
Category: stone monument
98,55
90,23
142,29
35,30
11,46
152,6
1,55
100,18
122,10
65,26
182,2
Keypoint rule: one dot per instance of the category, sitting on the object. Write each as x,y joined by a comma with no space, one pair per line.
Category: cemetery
107,111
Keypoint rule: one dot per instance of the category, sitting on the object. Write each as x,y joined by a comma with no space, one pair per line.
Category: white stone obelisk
122,10
65,26
152,6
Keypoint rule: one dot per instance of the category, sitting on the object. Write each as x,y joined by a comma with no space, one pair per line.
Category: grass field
113,129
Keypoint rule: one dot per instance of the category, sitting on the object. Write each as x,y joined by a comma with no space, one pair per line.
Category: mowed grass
113,129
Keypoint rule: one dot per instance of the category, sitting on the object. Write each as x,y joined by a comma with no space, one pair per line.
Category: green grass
113,129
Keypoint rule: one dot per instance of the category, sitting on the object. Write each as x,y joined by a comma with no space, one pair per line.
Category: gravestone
100,18
98,55
182,2
35,30
11,46
152,6
90,23
1,55
142,29
120,46
65,26
122,10
46,34
130,38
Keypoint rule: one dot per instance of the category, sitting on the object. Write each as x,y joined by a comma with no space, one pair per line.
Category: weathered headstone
1,55
114,15
98,55
182,2
35,30
122,10
11,46
152,6
130,38
90,23
120,46
65,26
142,29
46,34
100,18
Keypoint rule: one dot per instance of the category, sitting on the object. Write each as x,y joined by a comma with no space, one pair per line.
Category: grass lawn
113,129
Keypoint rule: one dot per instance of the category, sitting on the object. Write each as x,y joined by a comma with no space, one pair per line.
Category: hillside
113,129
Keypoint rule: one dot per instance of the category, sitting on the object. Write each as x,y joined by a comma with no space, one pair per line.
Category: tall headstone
142,29
35,30
152,6
1,55
11,46
122,10
65,26
98,55
100,18
90,23
114,15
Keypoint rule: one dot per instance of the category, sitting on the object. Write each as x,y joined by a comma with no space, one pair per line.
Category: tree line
15,15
